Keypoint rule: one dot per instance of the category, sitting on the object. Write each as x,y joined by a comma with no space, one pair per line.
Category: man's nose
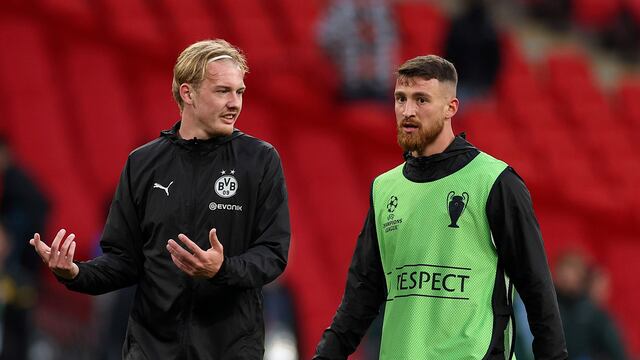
234,101
409,109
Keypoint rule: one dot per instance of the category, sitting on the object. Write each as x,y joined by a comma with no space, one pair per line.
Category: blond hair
191,66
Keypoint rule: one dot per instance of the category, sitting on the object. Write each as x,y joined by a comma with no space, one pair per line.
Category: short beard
421,138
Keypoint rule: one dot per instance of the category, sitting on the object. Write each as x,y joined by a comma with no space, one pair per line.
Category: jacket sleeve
266,257
364,294
121,262
520,250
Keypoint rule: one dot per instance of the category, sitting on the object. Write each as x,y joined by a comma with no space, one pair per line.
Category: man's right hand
59,257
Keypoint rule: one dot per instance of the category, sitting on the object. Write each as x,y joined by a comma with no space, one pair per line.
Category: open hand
59,257
197,262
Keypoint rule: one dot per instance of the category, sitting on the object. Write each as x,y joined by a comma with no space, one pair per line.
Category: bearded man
448,235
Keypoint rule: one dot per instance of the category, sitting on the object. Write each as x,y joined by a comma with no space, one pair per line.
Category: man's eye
422,100
401,99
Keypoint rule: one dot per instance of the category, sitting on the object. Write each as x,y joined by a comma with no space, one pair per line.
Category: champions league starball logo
456,205
392,204
393,222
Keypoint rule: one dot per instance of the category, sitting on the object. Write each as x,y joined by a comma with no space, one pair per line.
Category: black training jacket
171,186
520,252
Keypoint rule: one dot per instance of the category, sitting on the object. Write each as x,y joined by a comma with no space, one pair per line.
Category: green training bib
439,260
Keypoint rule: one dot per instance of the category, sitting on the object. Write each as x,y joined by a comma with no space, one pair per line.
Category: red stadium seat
374,122
596,14
39,136
293,97
570,75
192,21
158,109
564,231
328,206
422,27
572,170
513,60
298,22
533,112
316,295
494,135
301,18
626,103
584,105
330,186
371,131
518,86
104,122
79,12
256,120
134,22
255,31
520,93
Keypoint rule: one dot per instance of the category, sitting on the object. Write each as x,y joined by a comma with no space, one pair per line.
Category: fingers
195,249
182,266
64,249
63,256
200,263
58,257
181,254
55,247
35,242
213,239
72,250
41,248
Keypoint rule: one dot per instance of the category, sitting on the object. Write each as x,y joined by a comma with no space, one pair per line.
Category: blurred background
550,86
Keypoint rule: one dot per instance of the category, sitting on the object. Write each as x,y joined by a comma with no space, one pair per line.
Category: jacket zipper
189,288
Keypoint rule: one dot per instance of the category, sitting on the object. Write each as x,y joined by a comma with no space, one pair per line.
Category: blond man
199,222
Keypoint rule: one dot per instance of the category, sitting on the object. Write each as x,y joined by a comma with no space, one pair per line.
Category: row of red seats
38,128
569,117
601,14
555,125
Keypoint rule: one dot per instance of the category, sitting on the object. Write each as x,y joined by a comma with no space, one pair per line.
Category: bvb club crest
226,185
456,205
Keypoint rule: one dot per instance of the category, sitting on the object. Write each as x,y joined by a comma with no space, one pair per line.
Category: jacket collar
429,168
196,144
457,146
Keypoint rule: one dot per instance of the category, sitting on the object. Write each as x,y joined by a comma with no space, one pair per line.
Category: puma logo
166,189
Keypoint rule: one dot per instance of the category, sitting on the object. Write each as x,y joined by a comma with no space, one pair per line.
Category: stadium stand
190,19
133,21
105,131
87,82
596,14
74,11
423,28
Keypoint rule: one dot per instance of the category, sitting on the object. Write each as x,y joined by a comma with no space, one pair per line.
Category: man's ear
187,94
452,107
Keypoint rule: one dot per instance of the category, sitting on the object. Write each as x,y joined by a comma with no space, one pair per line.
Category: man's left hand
199,263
